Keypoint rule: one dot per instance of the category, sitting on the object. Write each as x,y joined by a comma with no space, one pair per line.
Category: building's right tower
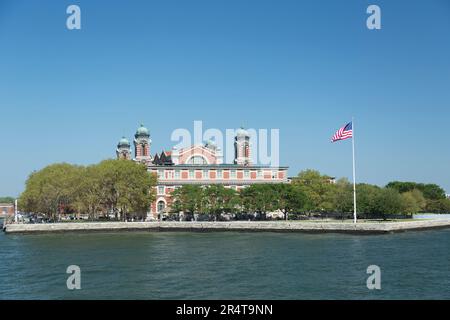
142,144
242,150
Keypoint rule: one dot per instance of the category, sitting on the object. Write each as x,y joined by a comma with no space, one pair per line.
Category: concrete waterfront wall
277,226
432,216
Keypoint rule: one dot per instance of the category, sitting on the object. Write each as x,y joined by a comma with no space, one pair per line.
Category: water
225,265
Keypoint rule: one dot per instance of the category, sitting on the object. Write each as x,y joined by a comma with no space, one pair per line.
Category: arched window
197,160
161,206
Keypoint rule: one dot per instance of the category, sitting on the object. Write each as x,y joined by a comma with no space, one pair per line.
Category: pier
366,227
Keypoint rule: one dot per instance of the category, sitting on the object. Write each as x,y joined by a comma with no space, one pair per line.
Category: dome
241,132
124,142
210,144
142,131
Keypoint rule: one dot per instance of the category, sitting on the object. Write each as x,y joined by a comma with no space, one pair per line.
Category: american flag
343,133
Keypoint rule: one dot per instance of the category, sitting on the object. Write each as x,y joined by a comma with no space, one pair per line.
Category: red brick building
6,209
198,164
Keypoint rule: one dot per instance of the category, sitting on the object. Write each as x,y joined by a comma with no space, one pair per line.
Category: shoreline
247,226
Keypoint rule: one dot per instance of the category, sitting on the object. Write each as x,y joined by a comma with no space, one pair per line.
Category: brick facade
230,176
6,209
200,165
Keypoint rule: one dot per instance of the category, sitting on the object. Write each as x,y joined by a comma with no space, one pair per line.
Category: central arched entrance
161,206
197,159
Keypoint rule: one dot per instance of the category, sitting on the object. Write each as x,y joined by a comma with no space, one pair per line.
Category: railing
219,181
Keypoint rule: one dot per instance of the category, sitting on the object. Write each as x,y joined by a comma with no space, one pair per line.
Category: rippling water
225,265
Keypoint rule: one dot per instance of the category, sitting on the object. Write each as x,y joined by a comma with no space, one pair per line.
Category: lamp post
15,211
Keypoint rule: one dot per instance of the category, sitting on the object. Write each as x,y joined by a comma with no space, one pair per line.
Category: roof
163,159
217,166
142,131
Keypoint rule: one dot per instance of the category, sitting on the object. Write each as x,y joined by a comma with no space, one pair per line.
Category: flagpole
354,171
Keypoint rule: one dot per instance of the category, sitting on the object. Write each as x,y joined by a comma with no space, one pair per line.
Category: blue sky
305,67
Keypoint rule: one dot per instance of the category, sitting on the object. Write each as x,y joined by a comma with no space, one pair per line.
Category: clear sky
305,67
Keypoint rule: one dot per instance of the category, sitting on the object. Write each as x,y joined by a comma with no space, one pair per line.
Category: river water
225,265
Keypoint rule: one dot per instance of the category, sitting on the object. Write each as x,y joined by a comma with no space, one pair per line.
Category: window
246,174
161,206
197,160
191,174
177,174
160,174
219,174
260,173
160,189
233,174
274,174
205,174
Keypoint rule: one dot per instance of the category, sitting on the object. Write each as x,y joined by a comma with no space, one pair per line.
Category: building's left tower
123,150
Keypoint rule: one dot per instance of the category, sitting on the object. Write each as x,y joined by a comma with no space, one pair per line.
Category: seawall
273,226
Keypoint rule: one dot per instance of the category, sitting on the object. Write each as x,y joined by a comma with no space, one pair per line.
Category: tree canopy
117,187
432,197
430,191
7,200
125,189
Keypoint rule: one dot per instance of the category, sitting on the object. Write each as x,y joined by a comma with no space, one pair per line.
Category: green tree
118,186
388,201
318,191
430,191
402,186
189,199
52,190
288,198
342,197
248,199
90,195
127,187
230,200
438,206
259,198
413,202
366,198
219,200
7,200
445,205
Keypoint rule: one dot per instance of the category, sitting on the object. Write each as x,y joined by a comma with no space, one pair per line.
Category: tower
123,149
217,151
242,151
142,144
